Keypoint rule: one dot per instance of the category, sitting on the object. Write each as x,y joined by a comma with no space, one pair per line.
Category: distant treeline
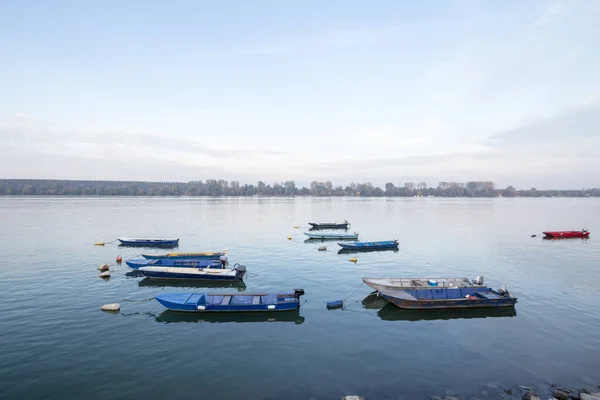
212,187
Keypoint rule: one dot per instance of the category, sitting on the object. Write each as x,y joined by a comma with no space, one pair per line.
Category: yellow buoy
296,227
99,244
289,238
353,259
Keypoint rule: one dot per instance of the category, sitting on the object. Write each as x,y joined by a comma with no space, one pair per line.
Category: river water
56,343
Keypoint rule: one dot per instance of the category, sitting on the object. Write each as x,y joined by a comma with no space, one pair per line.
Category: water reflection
564,238
389,312
183,283
169,316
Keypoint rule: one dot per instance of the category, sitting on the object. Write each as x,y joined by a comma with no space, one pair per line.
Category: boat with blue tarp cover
204,274
148,242
209,255
136,263
329,225
468,297
232,302
332,236
381,245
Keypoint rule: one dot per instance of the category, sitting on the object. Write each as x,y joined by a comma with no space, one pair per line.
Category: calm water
56,343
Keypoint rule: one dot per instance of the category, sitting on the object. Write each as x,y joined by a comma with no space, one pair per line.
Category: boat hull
201,274
332,236
360,246
149,242
422,301
567,234
173,262
225,302
316,225
199,255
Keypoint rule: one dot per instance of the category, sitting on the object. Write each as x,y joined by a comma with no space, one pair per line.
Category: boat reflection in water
182,283
389,312
169,316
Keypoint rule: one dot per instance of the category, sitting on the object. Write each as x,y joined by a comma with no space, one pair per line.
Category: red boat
584,233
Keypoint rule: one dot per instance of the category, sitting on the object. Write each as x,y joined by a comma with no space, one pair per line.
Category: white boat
421,283
209,274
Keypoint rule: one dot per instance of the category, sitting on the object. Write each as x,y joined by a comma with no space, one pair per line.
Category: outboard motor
503,290
478,280
298,293
223,260
241,270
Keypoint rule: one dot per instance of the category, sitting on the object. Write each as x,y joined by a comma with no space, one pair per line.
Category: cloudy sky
340,90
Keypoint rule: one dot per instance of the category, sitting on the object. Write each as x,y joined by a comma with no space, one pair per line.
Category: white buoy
103,267
111,307
105,274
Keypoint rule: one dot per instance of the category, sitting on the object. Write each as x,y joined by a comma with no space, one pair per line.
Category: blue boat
203,274
469,297
332,236
208,255
231,302
149,242
360,246
173,262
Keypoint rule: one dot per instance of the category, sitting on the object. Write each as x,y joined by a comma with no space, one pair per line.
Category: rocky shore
536,392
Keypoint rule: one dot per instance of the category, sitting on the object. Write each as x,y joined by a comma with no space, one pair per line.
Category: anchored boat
421,283
584,233
329,225
149,242
232,302
332,236
209,255
468,297
207,274
173,262
359,246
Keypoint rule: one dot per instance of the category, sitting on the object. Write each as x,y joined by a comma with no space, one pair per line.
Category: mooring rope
138,301
354,292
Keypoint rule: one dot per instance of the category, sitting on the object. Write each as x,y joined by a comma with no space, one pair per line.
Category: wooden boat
421,283
209,255
231,302
359,246
584,233
204,274
469,297
329,225
149,242
332,236
173,262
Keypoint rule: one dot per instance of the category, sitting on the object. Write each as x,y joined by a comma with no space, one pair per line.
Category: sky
339,90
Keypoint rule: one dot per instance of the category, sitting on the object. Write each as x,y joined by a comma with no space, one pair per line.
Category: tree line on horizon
214,187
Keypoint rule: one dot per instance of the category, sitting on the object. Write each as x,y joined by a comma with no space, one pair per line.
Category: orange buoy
119,259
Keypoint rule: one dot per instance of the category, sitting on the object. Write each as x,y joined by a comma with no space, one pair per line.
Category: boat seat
256,300
225,300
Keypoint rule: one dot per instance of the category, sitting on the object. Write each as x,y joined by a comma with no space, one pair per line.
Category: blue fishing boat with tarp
329,225
148,242
204,274
434,298
136,263
332,236
361,246
232,302
209,255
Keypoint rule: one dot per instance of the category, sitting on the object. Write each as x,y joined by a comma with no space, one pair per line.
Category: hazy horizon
341,91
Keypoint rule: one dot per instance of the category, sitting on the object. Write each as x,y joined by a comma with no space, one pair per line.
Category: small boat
204,274
584,233
421,283
209,255
329,225
332,236
136,263
359,246
149,242
231,302
469,297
